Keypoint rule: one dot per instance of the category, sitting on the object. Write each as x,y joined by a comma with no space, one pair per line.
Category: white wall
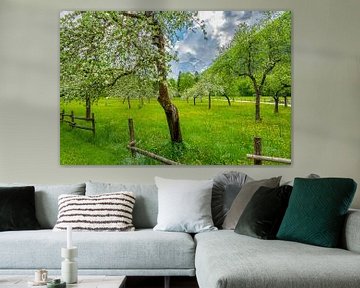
326,90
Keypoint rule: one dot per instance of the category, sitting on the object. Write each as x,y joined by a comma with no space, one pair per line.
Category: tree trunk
285,101
257,89
171,112
129,103
194,101
209,101
88,107
276,109
257,106
228,99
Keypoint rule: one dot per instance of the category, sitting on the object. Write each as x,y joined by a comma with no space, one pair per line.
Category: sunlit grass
222,135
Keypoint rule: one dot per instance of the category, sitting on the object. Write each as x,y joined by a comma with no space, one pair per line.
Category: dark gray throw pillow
263,214
225,189
243,198
17,208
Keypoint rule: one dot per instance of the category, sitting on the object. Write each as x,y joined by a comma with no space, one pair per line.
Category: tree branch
131,15
118,78
268,70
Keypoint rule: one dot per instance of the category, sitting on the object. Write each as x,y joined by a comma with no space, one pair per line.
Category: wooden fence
258,158
64,118
132,147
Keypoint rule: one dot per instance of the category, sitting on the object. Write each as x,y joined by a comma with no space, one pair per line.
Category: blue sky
195,53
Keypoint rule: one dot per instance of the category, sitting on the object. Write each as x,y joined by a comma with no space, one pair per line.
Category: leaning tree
97,48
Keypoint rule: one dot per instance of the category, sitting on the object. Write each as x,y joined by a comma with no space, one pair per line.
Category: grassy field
222,135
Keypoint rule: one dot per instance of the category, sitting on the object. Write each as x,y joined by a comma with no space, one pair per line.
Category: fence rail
258,158
132,147
64,118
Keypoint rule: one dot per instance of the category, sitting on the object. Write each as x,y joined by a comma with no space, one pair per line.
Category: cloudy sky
195,53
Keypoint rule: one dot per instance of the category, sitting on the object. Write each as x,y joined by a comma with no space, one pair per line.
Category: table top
84,281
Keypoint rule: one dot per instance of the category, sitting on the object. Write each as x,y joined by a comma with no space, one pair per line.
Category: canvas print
175,87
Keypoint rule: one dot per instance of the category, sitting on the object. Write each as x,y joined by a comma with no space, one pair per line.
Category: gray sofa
218,259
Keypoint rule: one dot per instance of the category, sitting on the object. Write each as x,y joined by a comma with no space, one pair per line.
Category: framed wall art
175,87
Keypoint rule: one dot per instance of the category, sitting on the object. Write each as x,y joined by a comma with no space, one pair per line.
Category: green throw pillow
316,211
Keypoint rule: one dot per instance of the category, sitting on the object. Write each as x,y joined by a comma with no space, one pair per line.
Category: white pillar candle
69,237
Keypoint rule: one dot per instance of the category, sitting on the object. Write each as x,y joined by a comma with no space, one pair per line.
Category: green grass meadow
222,135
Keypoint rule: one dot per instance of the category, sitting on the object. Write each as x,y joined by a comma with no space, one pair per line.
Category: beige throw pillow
243,198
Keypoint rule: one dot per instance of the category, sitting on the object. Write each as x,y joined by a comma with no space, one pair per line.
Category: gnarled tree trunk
171,112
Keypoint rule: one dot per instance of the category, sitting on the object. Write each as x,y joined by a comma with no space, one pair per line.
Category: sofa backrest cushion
46,200
146,204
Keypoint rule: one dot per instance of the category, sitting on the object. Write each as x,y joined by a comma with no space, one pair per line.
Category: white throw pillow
184,205
105,212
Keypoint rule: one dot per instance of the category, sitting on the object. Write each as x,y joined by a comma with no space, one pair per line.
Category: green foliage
279,82
256,50
133,87
97,48
185,81
220,136
209,85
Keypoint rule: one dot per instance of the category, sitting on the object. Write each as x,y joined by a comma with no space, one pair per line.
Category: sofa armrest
351,234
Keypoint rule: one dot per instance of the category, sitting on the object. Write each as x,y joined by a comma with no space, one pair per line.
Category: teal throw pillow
316,211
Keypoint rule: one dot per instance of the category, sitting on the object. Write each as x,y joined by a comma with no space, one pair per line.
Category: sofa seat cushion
225,259
142,249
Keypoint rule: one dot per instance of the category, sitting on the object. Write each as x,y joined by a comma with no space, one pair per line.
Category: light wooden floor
158,282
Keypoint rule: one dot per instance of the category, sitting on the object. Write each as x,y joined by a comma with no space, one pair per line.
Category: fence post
93,123
72,119
62,115
132,136
257,150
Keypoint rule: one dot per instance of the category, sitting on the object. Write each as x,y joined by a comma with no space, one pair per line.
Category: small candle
69,237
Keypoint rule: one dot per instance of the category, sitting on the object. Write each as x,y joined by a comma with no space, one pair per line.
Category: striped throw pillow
105,212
